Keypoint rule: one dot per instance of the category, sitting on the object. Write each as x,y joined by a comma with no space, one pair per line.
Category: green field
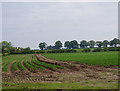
6,60
30,62
92,58
24,62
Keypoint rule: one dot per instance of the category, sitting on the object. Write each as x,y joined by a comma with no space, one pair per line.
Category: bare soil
72,72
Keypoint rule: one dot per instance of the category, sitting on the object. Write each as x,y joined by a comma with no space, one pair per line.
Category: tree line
69,46
82,44
8,48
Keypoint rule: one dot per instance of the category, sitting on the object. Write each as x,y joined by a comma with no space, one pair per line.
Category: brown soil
72,72
10,68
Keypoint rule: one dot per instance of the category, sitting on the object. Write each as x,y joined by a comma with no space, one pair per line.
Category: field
61,71
29,62
94,58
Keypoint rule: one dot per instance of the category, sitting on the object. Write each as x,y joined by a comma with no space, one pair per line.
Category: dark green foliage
23,52
42,51
73,44
70,51
105,43
114,49
5,46
61,51
67,45
50,47
99,43
92,43
86,50
98,50
42,45
114,42
58,44
84,44
105,49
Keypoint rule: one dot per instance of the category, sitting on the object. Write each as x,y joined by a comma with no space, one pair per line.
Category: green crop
34,65
46,64
21,66
14,66
92,58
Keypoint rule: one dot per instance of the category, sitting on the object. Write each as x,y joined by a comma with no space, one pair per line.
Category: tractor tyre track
9,70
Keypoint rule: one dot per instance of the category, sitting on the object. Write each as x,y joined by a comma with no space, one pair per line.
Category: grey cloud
27,24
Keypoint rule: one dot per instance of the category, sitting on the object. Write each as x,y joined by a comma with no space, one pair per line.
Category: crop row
27,62
34,60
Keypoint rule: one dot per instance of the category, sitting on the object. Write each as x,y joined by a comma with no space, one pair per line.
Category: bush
42,51
114,48
5,54
97,50
61,51
86,50
105,49
70,50
23,52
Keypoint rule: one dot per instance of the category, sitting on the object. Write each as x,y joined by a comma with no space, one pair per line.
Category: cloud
30,23
60,0
0,21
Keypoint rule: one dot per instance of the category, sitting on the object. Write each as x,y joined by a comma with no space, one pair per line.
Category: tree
105,43
115,42
58,44
91,43
99,43
42,45
67,44
6,46
84,44
74,44
27,49
13,49
111,43
50,47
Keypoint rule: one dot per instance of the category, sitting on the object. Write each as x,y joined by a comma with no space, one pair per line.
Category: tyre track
69,65
9,70
52,69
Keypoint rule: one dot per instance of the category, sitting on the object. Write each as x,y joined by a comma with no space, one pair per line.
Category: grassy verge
57,86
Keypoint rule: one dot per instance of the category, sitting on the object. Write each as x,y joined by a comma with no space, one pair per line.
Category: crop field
29,62
91,58
67,71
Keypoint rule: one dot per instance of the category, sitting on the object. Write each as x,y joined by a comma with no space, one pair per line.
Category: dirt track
72,72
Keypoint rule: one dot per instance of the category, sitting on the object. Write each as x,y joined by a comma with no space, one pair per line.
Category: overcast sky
28,24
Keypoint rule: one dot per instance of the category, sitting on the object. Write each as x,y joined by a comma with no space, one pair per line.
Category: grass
92,58
77,85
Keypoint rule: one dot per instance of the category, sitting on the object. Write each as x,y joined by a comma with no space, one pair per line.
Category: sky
0,21
60,0
27,23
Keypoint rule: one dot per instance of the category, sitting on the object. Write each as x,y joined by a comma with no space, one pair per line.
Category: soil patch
72,72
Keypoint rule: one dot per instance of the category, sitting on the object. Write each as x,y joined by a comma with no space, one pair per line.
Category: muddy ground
72,72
